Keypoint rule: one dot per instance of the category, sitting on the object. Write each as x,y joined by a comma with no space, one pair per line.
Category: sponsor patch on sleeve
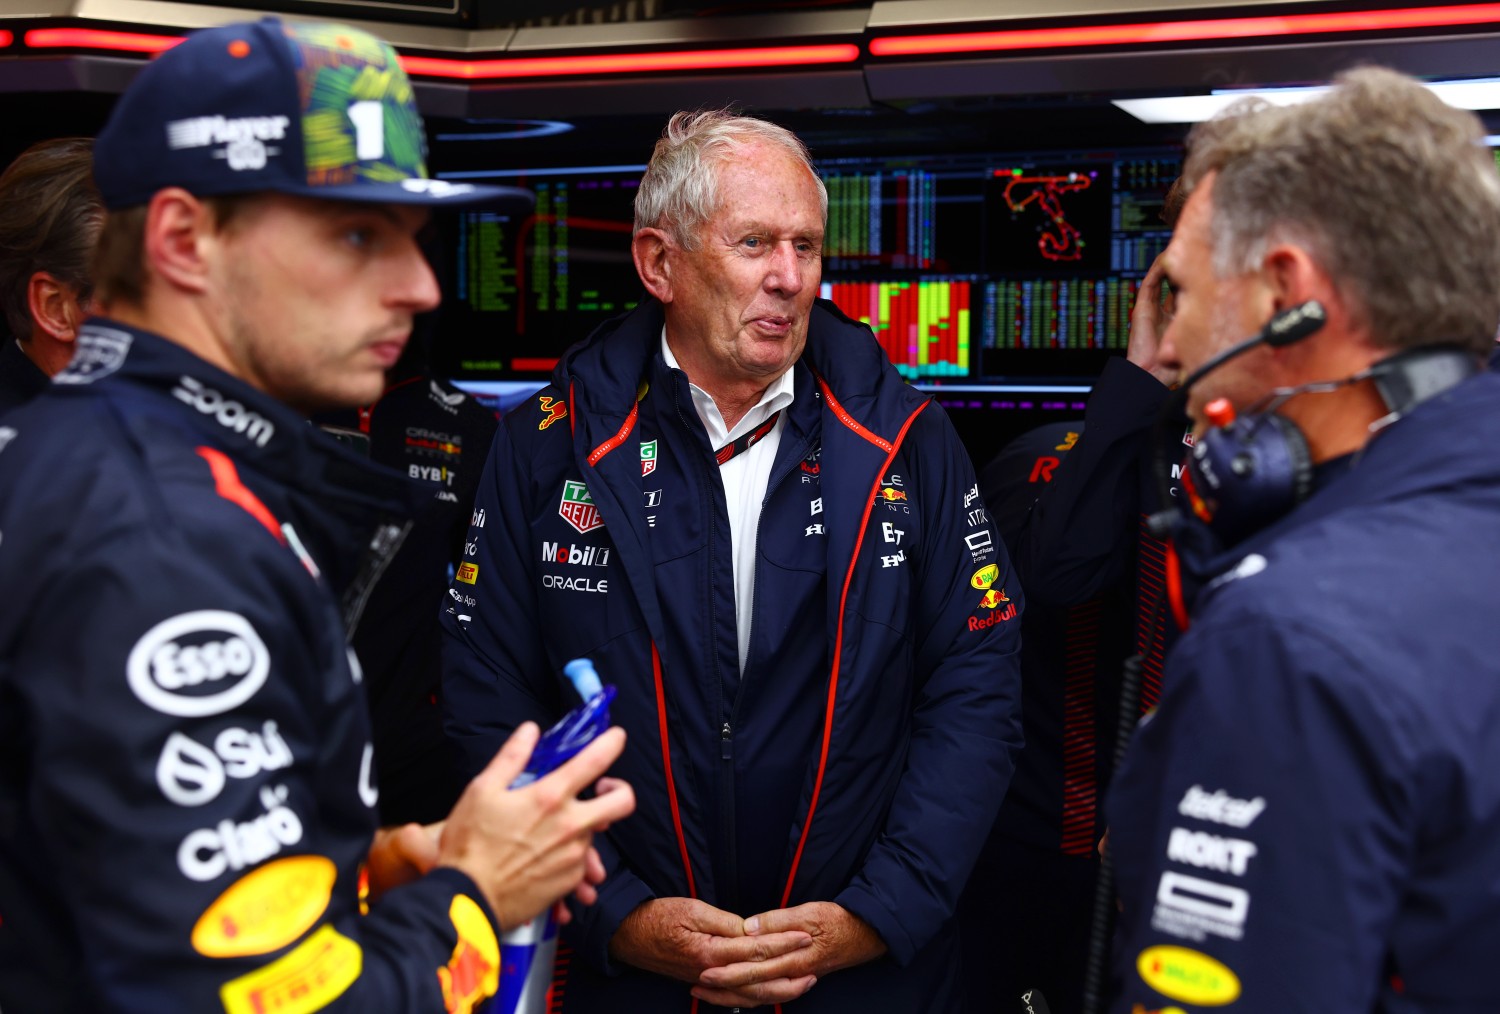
468,573
267,908
198,663
1187,975
472,974
555,410
307,979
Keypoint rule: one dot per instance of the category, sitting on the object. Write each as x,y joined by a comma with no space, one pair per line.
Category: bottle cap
585,680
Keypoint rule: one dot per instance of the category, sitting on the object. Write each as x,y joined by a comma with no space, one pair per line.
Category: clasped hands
733,962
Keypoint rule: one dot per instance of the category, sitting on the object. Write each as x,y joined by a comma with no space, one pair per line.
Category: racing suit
186,788
1311,819
20,378
861,755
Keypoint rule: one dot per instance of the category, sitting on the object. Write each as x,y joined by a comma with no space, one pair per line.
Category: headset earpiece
1245,473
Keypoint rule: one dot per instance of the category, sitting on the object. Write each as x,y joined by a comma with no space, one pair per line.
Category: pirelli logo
468,573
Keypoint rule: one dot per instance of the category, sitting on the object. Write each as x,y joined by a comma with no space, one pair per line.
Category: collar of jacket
338,497
616,360
1447,442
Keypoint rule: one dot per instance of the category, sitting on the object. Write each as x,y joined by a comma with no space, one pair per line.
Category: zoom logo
199,663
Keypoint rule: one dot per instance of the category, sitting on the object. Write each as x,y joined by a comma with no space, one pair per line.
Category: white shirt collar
778,395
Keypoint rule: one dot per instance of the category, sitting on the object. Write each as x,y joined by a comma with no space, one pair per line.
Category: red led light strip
906,45
98,38
5,38
1187,31
521,67
629,63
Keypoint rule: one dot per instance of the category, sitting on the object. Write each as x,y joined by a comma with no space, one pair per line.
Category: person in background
187,801
1071,502
1026,912
1087,534
50,214
732,501
436,435
1311,818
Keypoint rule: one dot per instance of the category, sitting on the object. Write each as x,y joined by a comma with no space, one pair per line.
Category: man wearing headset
1311,818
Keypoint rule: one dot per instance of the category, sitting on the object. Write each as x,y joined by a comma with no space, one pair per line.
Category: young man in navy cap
186,793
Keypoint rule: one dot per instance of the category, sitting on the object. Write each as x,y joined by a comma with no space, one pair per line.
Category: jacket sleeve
966,715
1078,540
1261,824
197,794
496,671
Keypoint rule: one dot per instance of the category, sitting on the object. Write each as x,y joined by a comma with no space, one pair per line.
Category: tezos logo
199,663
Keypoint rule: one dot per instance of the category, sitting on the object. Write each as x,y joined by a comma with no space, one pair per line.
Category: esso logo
199,663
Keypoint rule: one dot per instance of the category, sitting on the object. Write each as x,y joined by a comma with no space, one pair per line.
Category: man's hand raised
529,847
1148,322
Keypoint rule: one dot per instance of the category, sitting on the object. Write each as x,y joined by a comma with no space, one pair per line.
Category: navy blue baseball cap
316,110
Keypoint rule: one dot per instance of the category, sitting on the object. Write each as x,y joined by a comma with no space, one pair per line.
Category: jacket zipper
726,730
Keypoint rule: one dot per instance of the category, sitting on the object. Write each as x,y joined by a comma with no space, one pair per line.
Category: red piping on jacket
666,763
227,484
849,421
838,642
1174,586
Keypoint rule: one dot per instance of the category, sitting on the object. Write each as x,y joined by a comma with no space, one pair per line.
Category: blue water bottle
527,952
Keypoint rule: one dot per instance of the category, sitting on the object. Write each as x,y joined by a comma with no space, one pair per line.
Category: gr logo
199,663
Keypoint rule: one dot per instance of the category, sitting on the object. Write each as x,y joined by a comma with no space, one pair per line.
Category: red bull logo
996,616
472,974
555,410
992,599
888,494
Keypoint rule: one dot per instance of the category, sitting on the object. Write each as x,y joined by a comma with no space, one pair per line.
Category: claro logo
199,663
226,412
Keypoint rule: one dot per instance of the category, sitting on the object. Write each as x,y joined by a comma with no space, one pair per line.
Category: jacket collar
1446,442
334,497
617,357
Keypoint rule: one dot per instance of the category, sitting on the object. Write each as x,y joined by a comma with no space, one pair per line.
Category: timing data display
977,268
524,286
970,269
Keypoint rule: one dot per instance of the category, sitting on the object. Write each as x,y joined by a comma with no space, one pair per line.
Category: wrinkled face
1210,314
743,297
316,297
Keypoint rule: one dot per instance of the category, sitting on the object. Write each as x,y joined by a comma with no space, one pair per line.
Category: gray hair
680,191
1390,190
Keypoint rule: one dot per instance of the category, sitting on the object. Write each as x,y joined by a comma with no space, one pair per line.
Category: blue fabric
1315,804
926,719
20,378
128,748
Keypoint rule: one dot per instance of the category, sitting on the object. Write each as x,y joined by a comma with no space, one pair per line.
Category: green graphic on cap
359,117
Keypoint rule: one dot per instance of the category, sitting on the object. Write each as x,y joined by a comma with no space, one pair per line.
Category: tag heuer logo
648,457
577,508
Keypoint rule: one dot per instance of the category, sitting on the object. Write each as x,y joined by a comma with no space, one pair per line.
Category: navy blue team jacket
1311,820
862,756
186,789
1086,535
